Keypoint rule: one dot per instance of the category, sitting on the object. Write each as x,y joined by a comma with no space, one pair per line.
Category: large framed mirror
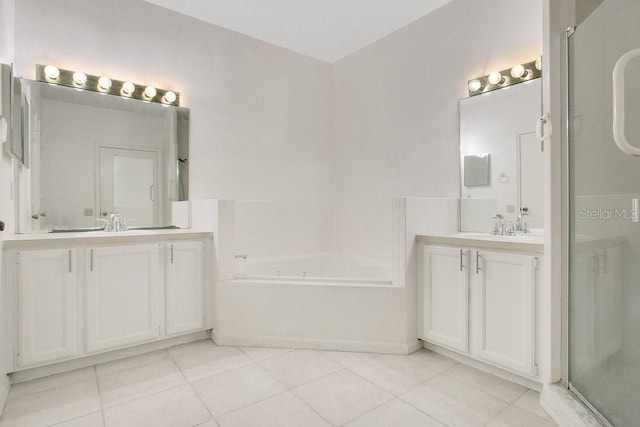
501,161
91,155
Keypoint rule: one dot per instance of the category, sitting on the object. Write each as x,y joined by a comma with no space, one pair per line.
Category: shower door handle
618,104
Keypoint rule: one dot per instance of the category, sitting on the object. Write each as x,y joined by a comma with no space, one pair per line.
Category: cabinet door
506,310
445,297
47,310
185,287
121,296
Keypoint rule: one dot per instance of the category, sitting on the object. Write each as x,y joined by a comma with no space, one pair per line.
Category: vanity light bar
509,77
103,84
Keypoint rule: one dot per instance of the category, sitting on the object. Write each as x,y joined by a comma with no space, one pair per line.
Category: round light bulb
79,78
127,89
104,84
149,93
51,72
518,71
495,78
539,63
169,97
475,85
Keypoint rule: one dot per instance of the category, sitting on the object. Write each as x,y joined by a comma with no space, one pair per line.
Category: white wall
396,101
260,115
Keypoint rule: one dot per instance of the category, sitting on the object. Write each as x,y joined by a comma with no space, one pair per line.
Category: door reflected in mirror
502,123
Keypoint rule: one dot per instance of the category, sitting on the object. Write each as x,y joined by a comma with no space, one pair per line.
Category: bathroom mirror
91,155
502,123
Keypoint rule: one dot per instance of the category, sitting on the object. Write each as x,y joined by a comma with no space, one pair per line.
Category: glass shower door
604,278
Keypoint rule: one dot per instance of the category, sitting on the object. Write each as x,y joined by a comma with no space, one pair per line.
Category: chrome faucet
521,224
498,227
115,223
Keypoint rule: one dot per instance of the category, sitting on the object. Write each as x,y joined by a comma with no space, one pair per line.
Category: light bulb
169,97
149,93
79,78
51,73
495,78
518,72
104,84
127,89
475,85
539,63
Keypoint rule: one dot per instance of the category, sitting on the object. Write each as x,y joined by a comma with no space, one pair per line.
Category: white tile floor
201,384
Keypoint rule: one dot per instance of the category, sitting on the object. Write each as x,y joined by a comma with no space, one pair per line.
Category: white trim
315,344
71,365
564,408
483,366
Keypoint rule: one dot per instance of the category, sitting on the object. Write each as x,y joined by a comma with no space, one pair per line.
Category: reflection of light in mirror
539,63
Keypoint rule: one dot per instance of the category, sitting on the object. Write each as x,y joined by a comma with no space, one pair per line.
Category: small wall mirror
501,122
90,155
475,170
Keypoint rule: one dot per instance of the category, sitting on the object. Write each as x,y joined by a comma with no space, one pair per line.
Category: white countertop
99,237
519,242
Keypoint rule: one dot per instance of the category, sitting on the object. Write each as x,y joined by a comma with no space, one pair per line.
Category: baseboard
565,408
83,362
498,372
5,384
313,344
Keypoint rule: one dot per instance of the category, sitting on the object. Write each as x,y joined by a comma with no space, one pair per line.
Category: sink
76,230
166,227
89,229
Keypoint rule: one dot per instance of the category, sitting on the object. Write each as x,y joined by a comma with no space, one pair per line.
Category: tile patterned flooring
201,384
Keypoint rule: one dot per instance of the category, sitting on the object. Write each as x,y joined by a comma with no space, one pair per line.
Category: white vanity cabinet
47,297
185,287
122,286
83,296
480,302
504,313
446,296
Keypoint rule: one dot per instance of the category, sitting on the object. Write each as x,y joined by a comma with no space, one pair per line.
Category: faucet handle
107,223
509,229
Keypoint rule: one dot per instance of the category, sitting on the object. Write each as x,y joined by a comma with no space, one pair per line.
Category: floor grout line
292,389
130,367
485,392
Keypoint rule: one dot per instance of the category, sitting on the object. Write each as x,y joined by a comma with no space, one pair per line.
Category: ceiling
323,29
